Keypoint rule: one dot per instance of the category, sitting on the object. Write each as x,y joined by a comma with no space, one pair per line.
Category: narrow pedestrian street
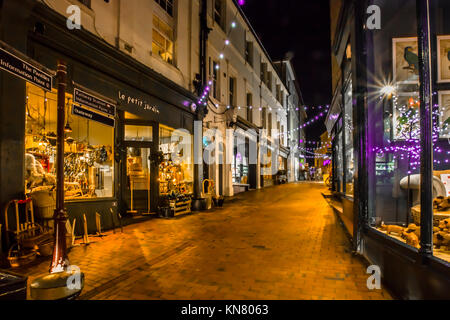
281,242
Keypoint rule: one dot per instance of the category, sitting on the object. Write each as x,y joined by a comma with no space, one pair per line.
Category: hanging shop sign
93,102
138,102
88,114
24,70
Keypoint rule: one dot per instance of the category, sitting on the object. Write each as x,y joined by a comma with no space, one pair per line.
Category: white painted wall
124,23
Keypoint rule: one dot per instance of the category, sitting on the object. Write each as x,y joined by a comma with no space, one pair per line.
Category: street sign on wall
93,102
24,70
88,114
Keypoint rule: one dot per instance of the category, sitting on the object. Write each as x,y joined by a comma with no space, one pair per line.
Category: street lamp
63,281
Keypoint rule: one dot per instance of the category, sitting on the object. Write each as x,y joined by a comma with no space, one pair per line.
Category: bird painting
412,59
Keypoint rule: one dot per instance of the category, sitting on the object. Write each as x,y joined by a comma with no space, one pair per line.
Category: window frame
232,86
167,39
249,107
219,15
167,4
249,53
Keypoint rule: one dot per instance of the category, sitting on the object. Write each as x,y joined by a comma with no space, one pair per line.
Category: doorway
139,187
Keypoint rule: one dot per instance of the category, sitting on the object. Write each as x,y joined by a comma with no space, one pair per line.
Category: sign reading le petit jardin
24,70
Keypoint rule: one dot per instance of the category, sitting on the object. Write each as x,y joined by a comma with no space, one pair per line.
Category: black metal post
198,134
426,128
64,281
60,260
359,80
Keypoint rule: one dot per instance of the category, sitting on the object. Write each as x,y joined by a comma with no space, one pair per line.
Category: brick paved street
282,242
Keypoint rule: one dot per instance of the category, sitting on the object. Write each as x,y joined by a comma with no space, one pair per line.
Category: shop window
393,147
138,133
339,180
162,43
240,160
443,114
348,125
176,172
440,13
88,157
167,5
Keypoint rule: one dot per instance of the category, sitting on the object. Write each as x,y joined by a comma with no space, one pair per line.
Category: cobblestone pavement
282,242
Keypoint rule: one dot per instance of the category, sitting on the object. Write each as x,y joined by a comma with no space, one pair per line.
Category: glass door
137,177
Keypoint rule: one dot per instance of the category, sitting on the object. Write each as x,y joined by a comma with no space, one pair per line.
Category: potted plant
164,207
218,201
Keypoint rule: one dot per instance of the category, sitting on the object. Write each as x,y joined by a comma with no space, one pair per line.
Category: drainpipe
201,110
426,128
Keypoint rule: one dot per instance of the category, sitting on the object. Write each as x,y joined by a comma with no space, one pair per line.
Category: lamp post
63,281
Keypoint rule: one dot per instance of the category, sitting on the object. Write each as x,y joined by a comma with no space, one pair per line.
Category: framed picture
405,60
443,49
444,114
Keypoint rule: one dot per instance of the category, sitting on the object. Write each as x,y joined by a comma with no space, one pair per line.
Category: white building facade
248,92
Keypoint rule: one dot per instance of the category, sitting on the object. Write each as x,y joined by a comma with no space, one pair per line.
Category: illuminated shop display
394,131
240,165
176,171
88,160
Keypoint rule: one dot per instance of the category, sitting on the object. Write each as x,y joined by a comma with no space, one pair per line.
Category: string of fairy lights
204,97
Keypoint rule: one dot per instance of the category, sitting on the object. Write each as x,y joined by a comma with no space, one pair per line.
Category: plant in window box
218,200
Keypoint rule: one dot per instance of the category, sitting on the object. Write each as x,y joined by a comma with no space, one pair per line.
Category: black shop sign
88,114
24,70
93,102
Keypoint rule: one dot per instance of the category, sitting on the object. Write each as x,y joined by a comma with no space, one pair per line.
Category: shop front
390,142
128,130
245,156
282,172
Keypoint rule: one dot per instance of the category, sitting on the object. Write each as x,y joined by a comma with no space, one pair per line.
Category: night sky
301,28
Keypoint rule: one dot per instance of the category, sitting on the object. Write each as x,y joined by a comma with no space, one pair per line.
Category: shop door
138,179
138,172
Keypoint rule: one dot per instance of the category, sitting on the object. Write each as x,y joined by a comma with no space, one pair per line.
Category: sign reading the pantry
24,70
88,114
93,102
